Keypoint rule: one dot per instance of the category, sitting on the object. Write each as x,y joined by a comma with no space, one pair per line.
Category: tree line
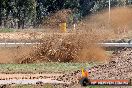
22,14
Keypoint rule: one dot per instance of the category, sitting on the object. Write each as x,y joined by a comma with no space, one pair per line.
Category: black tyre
85,82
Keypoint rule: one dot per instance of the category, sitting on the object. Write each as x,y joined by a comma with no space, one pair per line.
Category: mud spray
82,45
12,54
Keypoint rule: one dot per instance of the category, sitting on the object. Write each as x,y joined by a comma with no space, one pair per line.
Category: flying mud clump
69,48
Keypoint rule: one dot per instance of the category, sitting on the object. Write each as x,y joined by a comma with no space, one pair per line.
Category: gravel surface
119,67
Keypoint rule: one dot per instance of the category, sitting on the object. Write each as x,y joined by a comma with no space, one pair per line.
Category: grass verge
51,67
6,30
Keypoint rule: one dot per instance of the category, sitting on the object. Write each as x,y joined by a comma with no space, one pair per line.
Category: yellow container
63,27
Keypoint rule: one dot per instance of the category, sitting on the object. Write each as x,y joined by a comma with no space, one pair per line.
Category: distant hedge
27,13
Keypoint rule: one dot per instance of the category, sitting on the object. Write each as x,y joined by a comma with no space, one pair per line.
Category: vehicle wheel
84,81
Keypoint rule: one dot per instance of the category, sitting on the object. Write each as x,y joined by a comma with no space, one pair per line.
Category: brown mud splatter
80,46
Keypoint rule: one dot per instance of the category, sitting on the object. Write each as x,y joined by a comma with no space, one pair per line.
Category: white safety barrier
102,44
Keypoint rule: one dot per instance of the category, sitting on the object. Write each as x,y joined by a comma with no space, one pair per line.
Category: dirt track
39,79
29,78
27,36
